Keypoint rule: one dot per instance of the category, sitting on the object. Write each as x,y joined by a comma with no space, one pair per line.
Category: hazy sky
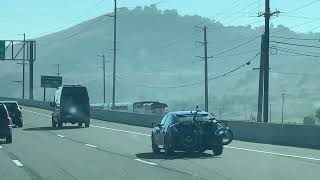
40,17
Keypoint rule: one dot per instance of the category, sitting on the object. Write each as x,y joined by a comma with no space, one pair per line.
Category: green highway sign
2,50
51,81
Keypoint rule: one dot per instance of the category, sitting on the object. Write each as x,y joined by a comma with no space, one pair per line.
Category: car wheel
155,148
9,139
79,124
87,124
217,150
168,150
60,125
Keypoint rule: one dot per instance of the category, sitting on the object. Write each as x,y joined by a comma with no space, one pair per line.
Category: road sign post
2,50
50,82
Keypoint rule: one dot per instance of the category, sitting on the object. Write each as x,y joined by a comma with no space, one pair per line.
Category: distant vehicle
5,124
190,131
71,105
150,107
15,112
120,107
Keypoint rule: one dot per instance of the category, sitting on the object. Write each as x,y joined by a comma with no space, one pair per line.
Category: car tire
155,148
60,125
87,124
9,139
217,150
168,150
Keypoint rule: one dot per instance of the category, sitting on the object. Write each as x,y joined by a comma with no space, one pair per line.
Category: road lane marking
18,163
119,130
273,153
1,147
37,113
230,147
90,145
60,136
146,162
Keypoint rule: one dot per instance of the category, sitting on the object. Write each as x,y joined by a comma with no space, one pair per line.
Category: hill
156,53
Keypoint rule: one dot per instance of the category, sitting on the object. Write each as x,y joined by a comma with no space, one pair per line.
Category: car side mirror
156,124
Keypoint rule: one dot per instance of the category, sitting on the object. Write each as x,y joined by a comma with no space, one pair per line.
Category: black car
5,124
190,131
71,105
15,112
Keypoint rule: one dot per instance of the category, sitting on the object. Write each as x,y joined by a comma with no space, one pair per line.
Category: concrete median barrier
307,136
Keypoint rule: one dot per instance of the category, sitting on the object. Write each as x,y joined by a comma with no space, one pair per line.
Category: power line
201,82
294,44
236,47
297,53
297,74
294,50
293,38
303,6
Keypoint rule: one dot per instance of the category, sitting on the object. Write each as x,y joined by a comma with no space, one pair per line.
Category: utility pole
266,62
58,70
205,69
23,64
205,58
260,96
283,95
270,114
104,76
267,14
114,54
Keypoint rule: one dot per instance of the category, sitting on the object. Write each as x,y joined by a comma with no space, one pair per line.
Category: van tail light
9,120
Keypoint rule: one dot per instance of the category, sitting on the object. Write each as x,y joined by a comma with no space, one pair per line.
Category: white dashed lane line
146,162
229,147
60,136
17,162
1,147
90,145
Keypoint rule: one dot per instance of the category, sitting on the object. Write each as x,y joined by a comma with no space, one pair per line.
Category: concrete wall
282,134
30,103
135,119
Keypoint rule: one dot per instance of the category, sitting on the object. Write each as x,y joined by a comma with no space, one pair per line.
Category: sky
40,17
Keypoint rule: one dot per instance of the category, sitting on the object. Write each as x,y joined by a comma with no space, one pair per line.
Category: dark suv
5,124
15,112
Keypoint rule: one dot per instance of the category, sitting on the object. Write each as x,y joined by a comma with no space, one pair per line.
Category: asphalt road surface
113,151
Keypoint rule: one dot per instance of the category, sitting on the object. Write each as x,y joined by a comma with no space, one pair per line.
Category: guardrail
307,136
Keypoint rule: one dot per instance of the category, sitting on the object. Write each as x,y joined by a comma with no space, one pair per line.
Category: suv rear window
12,106
3,112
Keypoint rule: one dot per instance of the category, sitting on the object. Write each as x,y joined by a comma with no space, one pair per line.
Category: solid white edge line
90,145
274,153
18,163
60,136
230,147
146,162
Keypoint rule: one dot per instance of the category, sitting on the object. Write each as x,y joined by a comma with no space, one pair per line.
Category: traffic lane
8,168
48,156
230,165
238,144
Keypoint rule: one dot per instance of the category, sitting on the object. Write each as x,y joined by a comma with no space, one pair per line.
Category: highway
117,151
